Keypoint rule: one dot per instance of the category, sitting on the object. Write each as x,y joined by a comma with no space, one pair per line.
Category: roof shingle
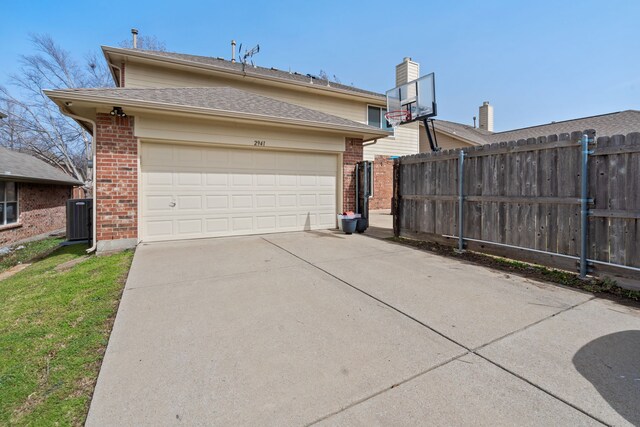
618,123
220,99
18,166
249,69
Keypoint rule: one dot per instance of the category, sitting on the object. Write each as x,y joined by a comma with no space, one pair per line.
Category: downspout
93,174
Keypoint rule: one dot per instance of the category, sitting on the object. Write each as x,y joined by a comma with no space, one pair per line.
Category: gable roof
224,65
618,123
16,166
459,130
218,101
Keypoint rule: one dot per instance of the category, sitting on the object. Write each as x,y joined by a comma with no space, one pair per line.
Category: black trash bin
361,225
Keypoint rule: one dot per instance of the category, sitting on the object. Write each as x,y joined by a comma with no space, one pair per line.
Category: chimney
233,51
406,71
134,33
486,117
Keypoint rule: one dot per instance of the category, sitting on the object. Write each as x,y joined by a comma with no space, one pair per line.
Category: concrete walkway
323,328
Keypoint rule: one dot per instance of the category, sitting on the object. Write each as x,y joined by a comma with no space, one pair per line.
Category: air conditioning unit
79,216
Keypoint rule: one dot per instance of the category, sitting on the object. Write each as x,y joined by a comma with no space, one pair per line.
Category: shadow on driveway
612,364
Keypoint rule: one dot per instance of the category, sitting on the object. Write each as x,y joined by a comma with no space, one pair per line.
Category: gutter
93,173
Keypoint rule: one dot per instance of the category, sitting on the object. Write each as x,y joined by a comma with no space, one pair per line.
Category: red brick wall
117,178
351,155
382,183
42,209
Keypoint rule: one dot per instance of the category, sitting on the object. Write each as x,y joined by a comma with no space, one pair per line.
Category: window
375,118
8,203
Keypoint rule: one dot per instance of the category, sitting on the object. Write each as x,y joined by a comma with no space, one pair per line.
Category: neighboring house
457,135
33,196
189,146
2,115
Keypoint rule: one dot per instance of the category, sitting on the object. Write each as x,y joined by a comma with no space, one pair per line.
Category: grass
594,285
54,327
31,251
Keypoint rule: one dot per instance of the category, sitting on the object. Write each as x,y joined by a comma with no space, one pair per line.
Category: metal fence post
584,209
461,201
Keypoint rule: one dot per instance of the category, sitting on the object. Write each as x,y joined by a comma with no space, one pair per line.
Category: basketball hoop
396,117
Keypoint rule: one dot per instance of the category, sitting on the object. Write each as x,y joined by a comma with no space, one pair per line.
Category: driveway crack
468,349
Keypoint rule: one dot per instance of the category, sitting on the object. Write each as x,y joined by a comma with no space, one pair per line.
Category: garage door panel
326,200
241,201
264,223
285,180
217,225
189,226
189,179
160,228
242,180
242,223
217,202
158,202
189,202
224,191
266,180
217,179
265,200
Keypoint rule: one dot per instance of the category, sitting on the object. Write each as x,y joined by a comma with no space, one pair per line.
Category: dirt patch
602,288
13,270
70,264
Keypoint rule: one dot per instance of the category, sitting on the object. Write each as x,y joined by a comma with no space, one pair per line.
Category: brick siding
382,183
117,178
351,156
42,209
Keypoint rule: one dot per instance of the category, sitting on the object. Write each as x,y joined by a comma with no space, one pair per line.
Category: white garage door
193,191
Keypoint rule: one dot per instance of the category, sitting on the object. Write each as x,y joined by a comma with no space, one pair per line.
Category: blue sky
535,61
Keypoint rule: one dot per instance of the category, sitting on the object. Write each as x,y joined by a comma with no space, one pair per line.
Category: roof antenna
249,55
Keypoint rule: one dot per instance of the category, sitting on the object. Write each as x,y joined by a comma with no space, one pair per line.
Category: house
190,146
457,135
33,196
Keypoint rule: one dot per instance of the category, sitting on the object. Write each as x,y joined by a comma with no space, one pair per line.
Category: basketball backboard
415,100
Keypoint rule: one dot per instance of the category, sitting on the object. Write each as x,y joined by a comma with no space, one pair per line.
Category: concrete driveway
320,327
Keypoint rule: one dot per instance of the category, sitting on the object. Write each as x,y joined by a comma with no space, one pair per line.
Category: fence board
526,193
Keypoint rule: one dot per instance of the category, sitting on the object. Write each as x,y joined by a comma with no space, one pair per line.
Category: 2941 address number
259,143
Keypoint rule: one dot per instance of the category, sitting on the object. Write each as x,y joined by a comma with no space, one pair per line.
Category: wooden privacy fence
522,199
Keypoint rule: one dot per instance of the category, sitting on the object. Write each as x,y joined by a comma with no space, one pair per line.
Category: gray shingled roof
255,70
220,99
619,123
16,166
463,131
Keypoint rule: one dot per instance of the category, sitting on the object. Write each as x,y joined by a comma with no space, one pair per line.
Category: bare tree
146,43
34,123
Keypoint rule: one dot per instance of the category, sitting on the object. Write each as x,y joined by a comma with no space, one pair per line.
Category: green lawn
54,327
31,250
